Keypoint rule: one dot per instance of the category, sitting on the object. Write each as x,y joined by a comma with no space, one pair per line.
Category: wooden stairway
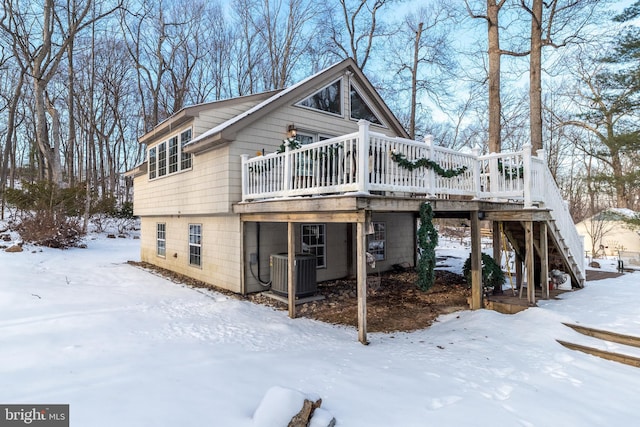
559,254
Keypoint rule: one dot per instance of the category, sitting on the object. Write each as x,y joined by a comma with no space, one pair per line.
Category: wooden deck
350,178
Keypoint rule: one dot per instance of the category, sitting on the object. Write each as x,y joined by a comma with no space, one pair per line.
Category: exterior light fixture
292,132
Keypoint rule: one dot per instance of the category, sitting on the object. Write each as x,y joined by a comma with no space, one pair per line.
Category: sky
123,346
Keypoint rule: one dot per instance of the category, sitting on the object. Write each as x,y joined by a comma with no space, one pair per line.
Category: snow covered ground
125,347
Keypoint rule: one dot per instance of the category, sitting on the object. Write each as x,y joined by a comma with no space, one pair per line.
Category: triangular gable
226,131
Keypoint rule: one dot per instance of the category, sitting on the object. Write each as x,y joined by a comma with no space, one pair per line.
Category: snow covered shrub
47,213
51,229
492,274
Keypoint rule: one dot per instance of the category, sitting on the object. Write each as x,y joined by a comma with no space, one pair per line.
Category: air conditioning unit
305,273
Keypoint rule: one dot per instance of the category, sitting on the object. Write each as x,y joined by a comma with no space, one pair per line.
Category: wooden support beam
361,269
497,243
291,276
529,262
519,279
476,262
544,260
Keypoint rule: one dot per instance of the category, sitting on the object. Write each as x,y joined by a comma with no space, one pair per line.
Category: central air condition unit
305,273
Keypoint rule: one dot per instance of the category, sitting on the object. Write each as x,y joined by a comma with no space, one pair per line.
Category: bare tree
353,27
491,14
273,37
41,41
422,54
554,23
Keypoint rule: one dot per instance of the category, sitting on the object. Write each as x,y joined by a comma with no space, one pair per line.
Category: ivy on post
427,242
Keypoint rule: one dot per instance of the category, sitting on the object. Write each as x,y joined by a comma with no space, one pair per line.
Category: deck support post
291,276
476,262
529,262
544,260
361,271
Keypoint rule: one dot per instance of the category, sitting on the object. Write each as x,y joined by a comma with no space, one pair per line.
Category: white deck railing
365,162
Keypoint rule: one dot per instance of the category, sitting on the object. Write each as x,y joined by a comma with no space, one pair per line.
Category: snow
126,347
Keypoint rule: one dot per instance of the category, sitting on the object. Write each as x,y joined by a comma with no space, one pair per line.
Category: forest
81,80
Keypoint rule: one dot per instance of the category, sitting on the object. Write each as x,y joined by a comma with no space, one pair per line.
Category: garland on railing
513,173
402,161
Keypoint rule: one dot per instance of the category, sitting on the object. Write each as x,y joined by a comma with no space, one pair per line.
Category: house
323,170
606,233
185,192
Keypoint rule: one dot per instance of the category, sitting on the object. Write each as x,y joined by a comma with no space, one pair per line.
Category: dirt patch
394,302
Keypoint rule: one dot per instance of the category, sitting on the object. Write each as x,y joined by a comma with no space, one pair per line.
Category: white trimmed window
377,241
360,109
153,162
195,244
161,239
162,159
168,157
173,155
314,240
328,99
185,137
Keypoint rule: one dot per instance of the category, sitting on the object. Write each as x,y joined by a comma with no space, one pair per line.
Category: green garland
401,160
514,173
427,242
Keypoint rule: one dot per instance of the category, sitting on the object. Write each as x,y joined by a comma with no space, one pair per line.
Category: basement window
195,245
161,239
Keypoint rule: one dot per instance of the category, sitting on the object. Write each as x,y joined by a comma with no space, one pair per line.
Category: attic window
360,109
327,99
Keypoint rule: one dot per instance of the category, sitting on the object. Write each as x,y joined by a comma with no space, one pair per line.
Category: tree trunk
535,78
495,105
414,81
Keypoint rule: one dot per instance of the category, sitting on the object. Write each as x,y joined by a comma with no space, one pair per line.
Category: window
376,241
152,163
360,109
168,157
195,244
161,239
162,159
185,137
327,99
173,154
314,242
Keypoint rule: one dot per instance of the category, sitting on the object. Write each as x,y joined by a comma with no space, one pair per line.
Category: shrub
492,274
48,229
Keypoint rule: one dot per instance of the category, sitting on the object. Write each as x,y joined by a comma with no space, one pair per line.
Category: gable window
195,244
327,99
161,239
152,163
360,109
173,154
185,137
314,242
377,241
168,156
